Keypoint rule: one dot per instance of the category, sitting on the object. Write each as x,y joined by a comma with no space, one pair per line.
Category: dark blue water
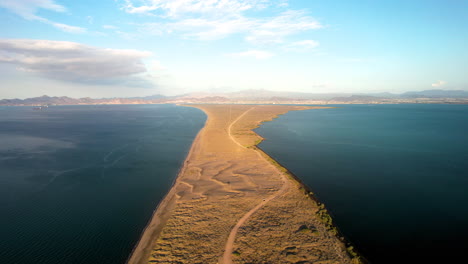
79,183
395,177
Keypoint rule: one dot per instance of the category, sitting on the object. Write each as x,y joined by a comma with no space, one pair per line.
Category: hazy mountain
436,94
382,95
258,96
46,100
152,97
353,98
265,94
64,100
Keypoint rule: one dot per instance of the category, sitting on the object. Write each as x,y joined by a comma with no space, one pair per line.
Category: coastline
324,213
242,195
161,213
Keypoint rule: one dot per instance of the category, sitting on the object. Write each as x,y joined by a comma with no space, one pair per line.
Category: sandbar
232,203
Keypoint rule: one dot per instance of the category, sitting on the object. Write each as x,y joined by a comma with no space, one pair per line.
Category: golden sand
232,204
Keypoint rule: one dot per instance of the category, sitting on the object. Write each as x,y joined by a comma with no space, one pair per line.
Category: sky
125,48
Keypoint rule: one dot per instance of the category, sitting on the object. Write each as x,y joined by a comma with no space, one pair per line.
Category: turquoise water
79,183
395,177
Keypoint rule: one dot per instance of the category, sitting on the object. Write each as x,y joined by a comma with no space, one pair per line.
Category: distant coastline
257,97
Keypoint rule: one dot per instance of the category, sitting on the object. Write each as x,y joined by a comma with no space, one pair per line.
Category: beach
232,203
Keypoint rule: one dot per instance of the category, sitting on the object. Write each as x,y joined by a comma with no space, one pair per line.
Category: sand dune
232,204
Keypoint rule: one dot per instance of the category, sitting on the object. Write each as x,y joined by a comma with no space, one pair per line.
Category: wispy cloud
27,9
72,61
217,19
90,20
199,28
283,3
439,84
275,29
178,8
65,27
257,54
303,45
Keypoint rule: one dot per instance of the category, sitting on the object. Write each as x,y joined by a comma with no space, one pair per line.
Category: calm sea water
395,177
79,183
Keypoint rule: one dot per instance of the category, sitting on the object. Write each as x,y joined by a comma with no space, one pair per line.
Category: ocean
394,177
78,184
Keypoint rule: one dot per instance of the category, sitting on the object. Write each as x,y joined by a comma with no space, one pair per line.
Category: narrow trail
232,123
227,256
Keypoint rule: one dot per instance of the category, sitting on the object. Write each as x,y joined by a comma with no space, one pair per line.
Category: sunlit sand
232,204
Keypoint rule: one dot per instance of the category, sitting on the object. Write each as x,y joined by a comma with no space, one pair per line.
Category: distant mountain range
64,100
258,96
266,94
437,94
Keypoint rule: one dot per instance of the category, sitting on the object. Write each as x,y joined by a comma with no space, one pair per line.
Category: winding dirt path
232,123
227,256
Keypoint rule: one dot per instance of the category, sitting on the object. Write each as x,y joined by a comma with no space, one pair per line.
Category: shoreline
167,208
326,213
158,218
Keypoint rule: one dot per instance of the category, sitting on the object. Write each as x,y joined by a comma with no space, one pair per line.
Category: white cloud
72,61
27,9
439,84
275,29
68,28
216,19
177,8
257,54
199,28
302,45
109,27
283,3
257,31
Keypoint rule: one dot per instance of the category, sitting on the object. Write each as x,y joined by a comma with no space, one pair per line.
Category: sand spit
232,204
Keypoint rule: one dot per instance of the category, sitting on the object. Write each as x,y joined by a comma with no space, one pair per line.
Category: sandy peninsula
231,203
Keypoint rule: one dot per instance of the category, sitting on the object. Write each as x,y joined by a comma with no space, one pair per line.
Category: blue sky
141,47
